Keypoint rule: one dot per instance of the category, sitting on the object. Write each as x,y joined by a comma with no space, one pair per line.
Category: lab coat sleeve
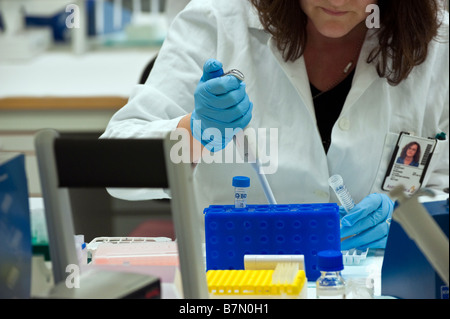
156,107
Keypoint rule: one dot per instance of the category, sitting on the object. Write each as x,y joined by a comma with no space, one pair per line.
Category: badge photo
409,162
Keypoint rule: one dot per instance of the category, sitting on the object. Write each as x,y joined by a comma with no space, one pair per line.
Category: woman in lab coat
322,85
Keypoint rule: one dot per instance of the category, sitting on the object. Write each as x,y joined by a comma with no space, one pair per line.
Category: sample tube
337,184
241,184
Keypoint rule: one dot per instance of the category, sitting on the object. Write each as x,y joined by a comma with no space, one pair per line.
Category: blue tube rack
300,229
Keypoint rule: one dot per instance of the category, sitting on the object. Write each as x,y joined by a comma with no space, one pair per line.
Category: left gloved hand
368,221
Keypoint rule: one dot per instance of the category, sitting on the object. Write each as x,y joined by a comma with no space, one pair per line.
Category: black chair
95,212
148,68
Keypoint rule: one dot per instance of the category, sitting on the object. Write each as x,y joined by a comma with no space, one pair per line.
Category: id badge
409,162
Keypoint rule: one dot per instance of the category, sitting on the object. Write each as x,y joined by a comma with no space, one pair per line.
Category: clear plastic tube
337,184
240,197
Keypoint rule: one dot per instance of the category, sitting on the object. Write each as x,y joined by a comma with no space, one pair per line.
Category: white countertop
60,73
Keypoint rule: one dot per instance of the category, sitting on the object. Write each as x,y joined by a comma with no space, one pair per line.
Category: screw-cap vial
241,184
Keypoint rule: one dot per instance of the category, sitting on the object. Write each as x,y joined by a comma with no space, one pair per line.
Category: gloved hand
221,106
368,221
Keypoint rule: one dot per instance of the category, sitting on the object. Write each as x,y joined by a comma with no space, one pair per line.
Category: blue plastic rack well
300,229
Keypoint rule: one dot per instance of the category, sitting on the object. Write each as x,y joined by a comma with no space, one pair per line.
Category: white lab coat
363,138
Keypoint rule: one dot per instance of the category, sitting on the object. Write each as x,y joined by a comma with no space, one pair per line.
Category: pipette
249,153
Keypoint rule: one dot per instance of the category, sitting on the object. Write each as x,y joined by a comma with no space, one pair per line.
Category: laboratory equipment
15,229
337,184
39,237
80,160
354,256
421,228
238,284
17,41
134,251
236,73
241,185
79,31
146,27
330,284
107,283
159,255
204,113
360,288
249,153
98,241
294,229
416,260
260,262
80,246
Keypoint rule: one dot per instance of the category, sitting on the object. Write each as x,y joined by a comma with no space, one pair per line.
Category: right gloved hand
222,107
367,224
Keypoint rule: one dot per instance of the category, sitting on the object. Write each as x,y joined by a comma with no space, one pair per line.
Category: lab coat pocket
388,149
437,172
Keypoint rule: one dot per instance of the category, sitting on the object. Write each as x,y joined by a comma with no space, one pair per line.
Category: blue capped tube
241,185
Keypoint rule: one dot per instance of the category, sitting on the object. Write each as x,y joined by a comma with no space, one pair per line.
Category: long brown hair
407,27
416,155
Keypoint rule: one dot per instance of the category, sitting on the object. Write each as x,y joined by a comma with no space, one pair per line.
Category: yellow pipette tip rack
255,284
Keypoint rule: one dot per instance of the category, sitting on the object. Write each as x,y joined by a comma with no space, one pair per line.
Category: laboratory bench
364,272
401,270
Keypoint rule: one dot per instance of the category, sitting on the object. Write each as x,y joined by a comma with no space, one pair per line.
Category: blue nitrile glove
369,220
220,103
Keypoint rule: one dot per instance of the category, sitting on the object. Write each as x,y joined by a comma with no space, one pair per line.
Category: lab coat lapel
365,74
297,75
